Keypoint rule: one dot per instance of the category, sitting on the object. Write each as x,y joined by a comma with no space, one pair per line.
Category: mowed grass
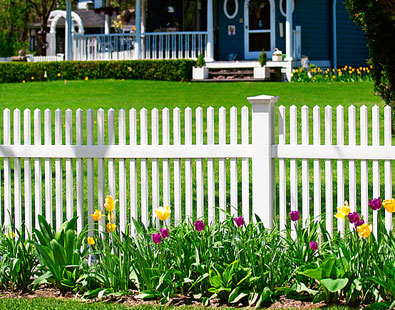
62,304
117,94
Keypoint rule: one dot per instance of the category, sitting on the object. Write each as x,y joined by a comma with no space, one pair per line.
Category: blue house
226,30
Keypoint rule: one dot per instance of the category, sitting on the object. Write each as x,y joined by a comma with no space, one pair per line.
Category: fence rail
196,161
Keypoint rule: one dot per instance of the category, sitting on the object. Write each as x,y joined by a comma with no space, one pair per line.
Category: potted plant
277,55
200,72
262,72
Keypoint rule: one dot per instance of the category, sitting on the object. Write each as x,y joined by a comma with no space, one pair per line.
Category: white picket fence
195,161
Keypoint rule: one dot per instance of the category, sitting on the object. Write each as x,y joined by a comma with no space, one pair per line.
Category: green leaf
334,285
235,296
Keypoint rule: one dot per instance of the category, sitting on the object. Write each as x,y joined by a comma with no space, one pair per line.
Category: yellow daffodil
389,205
110,216
364,230
86,78
110,203
58,74
343,211
111,227
97,215
91,241
163,212
11,234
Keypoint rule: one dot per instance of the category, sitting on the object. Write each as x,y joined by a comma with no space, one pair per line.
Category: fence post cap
263,99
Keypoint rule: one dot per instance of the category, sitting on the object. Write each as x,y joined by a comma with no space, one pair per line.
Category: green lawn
138,94
61,304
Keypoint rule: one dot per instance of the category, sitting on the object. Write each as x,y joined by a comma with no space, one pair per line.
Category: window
283,7
231,8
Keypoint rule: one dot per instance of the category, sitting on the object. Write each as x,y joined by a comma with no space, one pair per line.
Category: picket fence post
262,162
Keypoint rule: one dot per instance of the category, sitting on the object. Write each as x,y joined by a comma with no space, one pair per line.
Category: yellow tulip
163,212
111,227
343,211
364,230
110,203
11,234
389,205
91,241
97,215
110,216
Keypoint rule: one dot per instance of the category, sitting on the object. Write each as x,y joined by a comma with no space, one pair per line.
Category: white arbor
77,27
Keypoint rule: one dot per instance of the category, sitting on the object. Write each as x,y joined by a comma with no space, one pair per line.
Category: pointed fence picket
196,162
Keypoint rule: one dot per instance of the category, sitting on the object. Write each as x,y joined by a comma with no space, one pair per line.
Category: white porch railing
154,45
173,45
5,59
145,167
115,46
297,42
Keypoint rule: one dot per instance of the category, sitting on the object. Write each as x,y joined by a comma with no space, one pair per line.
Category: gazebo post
69,38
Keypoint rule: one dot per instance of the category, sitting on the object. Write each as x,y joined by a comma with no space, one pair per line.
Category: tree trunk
42,42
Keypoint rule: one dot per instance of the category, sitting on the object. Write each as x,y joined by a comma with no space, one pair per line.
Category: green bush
377,21
167,70
262,58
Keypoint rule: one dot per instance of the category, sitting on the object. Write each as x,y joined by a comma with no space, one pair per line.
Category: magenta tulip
313,245
375,204
353,217
239,221
295,216
199,225
164,233
156,238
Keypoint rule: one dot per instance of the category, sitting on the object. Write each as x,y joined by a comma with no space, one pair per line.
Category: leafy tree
377,18
42,9
15,16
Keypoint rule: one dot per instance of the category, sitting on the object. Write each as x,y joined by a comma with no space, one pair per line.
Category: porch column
68,35
107,19
138,30
210,32
288,32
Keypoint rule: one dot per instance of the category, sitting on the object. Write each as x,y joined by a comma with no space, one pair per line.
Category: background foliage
167,70
377,19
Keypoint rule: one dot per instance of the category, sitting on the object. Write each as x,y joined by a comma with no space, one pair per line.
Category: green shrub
377,21
262,58
168,70
200,62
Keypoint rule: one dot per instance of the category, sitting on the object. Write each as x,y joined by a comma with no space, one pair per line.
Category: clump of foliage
344,74
200,62
262,58
165,70
231,261
377,19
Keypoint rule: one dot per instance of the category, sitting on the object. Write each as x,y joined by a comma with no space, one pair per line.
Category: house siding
351,41
314,16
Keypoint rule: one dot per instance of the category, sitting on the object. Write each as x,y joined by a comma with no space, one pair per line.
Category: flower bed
231,262
345,74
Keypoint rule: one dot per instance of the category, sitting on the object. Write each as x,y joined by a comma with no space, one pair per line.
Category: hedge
168,70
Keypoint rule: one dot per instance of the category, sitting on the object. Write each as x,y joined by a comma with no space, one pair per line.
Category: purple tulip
353,217
199,225
164,233
156,238
295,216
313,245
359,223
375,204
239,221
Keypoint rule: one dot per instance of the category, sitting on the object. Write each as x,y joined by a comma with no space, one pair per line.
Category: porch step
238,74
231,74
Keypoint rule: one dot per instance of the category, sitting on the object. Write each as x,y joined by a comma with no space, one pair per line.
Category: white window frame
226,9
281,7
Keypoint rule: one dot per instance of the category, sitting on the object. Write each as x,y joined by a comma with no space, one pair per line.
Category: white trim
226,9
272,30
54,17
281,7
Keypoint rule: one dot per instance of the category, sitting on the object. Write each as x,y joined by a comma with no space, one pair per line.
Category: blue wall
230,44
315,18
351,41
